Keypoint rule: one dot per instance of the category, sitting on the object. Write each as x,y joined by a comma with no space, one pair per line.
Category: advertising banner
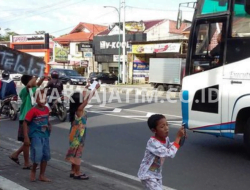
61,54
156,48
135,26
29,38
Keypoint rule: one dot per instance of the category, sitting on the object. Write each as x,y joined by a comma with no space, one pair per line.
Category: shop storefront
106,50
34,44
143,51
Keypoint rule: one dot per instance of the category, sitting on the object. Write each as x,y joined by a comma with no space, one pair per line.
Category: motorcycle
8,107
58,109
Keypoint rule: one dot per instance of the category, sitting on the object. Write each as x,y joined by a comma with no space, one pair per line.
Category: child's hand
181,132
97,86
26,141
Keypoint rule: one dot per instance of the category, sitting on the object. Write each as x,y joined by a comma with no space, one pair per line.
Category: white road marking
116,110
135,118
125,175
144,112
89,106
6,184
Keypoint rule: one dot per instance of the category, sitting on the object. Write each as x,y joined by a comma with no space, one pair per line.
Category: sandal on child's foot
71,175
27,167
81,177
16,160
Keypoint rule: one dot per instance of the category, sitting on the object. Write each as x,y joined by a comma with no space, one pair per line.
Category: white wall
161,32
158,32
115,31
74,54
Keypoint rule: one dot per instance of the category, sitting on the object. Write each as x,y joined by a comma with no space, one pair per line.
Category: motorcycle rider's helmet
54,75
5,75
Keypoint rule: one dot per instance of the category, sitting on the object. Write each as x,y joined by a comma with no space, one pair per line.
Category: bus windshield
212,6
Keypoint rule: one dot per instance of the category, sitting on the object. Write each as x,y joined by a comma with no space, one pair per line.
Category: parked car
103,78
68,76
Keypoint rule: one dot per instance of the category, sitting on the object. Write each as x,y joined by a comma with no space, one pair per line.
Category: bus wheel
247,137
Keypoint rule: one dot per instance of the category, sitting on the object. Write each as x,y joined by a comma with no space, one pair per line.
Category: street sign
82,46
87,54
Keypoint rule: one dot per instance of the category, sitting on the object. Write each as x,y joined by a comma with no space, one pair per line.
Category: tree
8,33
40,32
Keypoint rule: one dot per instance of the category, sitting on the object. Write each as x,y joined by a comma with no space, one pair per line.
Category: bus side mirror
179,20
247,6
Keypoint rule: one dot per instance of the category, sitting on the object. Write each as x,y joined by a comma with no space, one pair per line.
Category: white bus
218,70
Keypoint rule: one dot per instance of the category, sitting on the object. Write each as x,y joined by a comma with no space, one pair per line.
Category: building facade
76,47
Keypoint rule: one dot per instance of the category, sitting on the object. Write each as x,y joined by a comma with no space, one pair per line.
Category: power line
47,6
44,12
150,9
88,21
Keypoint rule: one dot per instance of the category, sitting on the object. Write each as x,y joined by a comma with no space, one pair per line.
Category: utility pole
119,38
124,45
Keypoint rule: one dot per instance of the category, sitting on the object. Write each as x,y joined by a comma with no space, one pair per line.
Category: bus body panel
233,95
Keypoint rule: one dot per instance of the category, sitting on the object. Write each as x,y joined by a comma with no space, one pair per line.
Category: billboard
61,54
135,26
156,48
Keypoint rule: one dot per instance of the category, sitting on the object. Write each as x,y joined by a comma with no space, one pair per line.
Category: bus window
208,47
241,22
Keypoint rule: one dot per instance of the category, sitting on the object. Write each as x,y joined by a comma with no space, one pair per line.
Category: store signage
84,63
112,45
116,58
19,62
87,54
156,48
61,54
28,38
82,46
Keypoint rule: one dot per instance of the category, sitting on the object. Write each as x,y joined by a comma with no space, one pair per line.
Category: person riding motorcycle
7,86
55,88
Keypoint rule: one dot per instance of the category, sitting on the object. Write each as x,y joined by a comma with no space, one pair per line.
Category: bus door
205,76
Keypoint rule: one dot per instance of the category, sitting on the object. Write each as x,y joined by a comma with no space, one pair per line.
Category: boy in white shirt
158,147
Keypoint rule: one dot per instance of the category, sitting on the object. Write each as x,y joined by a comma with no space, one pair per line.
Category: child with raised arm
77,134
30,85
37,120
158,148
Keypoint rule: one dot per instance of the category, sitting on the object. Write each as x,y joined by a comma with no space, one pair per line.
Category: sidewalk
58,171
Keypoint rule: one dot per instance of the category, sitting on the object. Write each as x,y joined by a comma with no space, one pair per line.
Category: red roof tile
150,23
91,27
104,33
172,27
77,34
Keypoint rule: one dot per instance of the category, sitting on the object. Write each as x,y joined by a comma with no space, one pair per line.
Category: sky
59,17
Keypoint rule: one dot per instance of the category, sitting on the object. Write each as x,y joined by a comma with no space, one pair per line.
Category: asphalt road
117,136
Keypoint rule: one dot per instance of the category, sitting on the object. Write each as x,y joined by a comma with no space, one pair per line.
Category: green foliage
6,36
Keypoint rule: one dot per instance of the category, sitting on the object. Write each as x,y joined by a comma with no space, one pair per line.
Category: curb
6,184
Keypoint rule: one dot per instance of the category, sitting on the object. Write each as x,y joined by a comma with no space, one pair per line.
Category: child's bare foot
44,179
32,176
